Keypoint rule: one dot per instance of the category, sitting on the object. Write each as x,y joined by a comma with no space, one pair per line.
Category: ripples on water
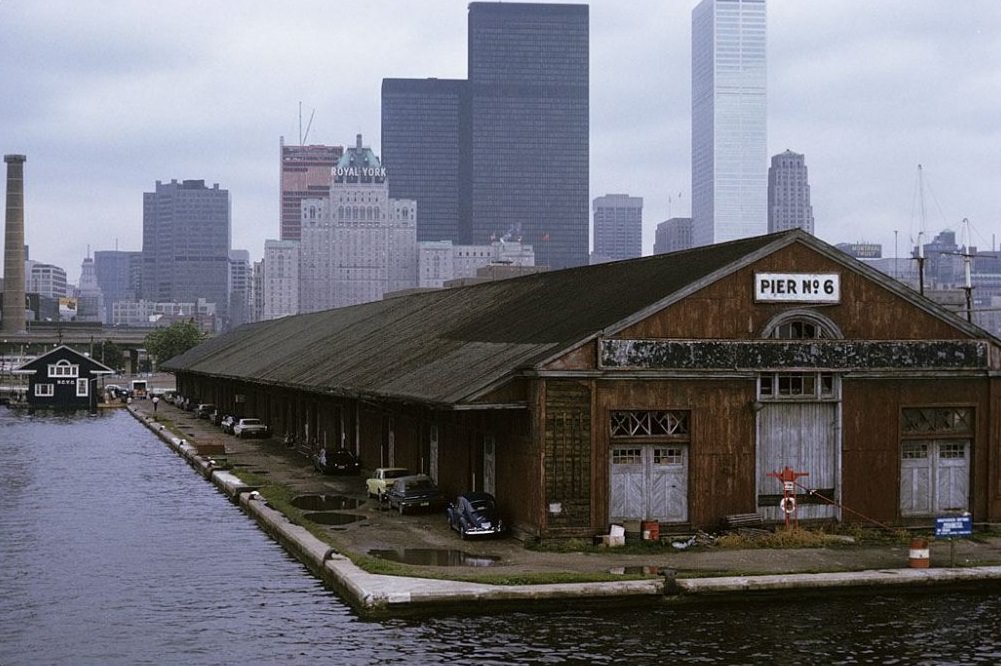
113,551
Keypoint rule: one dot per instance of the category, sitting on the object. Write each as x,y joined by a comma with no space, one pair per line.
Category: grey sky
105,98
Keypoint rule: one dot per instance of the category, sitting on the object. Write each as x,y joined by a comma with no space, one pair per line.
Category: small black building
63,378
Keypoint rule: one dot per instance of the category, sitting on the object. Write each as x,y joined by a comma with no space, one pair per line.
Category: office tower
359,244
280,283
305,172
240,288
505,151
789,194
673,235
729,124
425,143
118,275
89,299
528,80
14,255
46,280
186,239
618,227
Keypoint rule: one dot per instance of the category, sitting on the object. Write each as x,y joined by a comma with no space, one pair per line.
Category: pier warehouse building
668,388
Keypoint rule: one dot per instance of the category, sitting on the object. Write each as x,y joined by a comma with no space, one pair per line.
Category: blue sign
952,526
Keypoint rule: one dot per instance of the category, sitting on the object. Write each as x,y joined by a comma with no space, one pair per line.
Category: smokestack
13,253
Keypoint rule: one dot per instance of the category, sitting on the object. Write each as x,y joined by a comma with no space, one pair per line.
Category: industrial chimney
13,253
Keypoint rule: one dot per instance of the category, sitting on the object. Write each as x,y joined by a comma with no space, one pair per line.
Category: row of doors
650,481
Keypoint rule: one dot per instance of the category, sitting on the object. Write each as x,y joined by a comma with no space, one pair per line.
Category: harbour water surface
113,551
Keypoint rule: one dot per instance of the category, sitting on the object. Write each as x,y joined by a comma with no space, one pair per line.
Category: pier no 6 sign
797,287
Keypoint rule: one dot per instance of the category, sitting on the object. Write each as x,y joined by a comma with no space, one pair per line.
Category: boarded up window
638,423
938,420
568,454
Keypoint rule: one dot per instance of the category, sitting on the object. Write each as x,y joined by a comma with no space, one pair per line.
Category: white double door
649,482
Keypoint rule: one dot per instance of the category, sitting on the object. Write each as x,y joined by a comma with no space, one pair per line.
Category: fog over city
107,98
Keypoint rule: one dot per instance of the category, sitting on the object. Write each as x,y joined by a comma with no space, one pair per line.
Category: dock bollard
918,557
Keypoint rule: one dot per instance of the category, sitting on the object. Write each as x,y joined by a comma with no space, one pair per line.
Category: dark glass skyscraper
528,79
505,151
186,238
425,145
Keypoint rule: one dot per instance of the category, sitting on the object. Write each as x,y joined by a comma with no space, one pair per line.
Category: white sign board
797,287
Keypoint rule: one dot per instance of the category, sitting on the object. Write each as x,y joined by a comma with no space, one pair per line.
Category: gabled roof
94,367
448,347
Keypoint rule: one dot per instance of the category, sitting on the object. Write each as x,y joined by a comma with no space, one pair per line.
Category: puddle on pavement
324,502
332,518
435,557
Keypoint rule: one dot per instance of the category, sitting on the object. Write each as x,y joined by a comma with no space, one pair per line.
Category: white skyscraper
729,122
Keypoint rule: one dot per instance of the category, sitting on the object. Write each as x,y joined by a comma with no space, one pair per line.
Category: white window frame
45,390
82,388
64,368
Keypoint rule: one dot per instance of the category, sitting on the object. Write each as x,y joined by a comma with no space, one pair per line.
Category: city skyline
104,107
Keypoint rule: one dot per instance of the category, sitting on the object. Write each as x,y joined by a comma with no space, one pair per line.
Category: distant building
305,172
151,314
729,121
789,194
618,226
240,288
425,143
528,77
63,378
505,150
359,244
46,280
90,300
673,235
186,239
862,250
438,262
281,279
257,291
119,276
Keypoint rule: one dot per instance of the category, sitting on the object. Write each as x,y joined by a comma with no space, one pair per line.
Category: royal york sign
360,172
797,287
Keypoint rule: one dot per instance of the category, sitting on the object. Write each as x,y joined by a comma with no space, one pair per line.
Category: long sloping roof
446,347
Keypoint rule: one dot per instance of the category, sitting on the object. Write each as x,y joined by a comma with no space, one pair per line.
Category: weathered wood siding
567,457
721,449
872,436
726,308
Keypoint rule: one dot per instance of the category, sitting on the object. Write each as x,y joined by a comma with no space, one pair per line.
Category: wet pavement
358,526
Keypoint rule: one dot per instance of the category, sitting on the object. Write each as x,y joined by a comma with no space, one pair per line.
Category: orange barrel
650,530
919,556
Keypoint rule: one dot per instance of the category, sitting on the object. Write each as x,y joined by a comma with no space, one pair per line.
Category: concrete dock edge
374,594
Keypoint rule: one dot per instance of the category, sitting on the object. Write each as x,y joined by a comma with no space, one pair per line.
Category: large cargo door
803,436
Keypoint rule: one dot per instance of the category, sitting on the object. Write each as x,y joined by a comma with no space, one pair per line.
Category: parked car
382,478
341,461
474,514
215,418
227,424
204,409
416,492
250,428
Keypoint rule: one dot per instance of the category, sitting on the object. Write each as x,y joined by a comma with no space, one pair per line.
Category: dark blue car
474,514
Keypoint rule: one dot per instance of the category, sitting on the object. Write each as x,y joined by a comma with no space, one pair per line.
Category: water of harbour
113,551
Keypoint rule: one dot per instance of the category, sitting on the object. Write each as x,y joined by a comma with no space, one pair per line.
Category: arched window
801,325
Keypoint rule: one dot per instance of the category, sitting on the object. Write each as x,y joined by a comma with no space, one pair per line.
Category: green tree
111,355
166,343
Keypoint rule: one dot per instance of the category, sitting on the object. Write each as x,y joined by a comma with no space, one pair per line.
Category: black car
341,461
474,514
415,492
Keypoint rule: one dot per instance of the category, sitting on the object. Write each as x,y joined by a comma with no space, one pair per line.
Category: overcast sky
107,97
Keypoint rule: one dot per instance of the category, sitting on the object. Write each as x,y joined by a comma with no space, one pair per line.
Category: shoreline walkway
699,574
